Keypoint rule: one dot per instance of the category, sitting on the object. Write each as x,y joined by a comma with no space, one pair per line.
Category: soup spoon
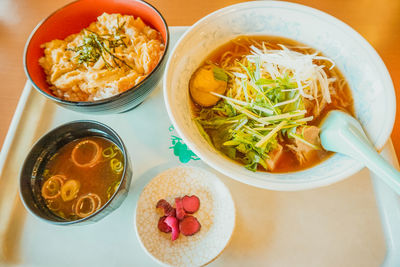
342,133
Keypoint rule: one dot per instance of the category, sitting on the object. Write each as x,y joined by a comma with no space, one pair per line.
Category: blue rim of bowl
285,185
101,101
105,205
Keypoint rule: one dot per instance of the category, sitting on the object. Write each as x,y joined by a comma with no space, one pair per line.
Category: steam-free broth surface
85,173
249,69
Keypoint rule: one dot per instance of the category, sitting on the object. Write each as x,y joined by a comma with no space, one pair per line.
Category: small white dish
369,80
216,216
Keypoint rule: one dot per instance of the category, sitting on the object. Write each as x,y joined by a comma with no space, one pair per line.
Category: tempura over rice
110,56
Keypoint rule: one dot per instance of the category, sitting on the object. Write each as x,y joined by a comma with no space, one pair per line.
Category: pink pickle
180,212
191,204
168,209
162,226
189,226
173,223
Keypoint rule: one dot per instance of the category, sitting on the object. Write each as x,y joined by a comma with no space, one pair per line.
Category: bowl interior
72,19
41,153
369,80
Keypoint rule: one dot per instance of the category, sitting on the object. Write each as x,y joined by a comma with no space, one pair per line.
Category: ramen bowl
46,147
368,78
71,19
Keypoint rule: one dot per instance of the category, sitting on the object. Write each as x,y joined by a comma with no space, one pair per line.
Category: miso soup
81,177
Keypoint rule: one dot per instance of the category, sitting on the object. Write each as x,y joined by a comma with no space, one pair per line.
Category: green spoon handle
359,147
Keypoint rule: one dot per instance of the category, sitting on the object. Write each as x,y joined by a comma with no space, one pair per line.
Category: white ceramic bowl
216,216
367,75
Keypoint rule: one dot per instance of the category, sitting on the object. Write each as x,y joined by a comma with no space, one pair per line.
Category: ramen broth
225,58
81,177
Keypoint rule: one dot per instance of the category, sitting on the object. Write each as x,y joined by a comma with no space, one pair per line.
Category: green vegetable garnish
220,74
247,123
109,152
97,46
264,109
112,189
116,166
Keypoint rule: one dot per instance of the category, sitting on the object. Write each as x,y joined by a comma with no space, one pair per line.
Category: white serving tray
345,224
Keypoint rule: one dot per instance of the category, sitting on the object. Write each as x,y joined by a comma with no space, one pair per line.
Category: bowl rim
100,101
285,185
106,204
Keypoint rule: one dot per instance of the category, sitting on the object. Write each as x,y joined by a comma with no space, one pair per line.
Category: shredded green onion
265,139
116,165
112,189
265,103
109,152
301,139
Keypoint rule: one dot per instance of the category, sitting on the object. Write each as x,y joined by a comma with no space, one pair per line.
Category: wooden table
377,21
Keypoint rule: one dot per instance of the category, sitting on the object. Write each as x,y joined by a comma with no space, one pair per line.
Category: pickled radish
180,212
162,226
175,220
174,224
191,204
168,209
189,226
